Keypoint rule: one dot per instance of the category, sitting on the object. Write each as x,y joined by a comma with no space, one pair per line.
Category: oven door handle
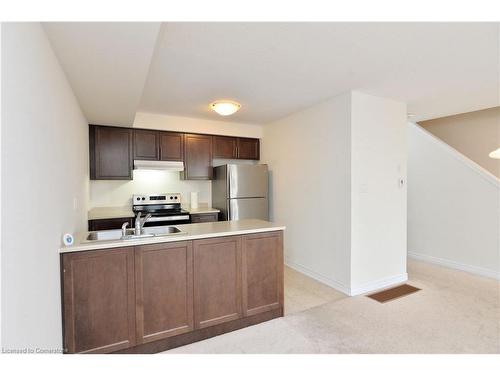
167,218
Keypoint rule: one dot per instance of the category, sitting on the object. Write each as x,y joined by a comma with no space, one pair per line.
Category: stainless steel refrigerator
239,191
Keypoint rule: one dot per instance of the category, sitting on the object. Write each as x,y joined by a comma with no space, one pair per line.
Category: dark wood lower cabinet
262,265
155,297
107,224
204,218
163,290
217,280
99,300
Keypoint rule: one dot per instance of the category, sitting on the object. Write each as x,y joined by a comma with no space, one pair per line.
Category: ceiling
106,64
274,69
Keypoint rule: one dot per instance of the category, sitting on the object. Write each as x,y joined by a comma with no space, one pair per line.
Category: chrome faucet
139,223
124,229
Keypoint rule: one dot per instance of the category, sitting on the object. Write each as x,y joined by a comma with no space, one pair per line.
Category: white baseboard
365,288
379,284
455,265
316,276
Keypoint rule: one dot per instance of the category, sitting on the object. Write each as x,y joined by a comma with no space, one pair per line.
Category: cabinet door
225,147
197,157
217,280
146,145
171,146
262,272
248,148
110,153
164,290
98,300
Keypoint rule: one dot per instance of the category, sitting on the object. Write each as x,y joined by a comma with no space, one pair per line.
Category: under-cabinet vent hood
173,166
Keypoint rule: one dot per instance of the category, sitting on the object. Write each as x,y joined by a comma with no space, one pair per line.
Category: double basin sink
116,234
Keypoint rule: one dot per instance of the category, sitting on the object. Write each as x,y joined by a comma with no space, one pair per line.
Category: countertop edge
164,239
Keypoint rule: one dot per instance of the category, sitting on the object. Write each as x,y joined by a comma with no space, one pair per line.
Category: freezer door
248,208
247,181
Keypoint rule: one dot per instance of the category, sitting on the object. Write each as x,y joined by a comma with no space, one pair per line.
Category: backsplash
119,193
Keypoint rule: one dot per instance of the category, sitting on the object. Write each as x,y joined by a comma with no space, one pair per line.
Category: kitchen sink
116,234
162,231
105,235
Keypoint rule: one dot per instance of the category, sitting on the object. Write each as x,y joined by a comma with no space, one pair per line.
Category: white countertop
98,213
201,209
189,232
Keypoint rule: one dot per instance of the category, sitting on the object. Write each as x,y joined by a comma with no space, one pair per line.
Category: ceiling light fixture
225,107
495,154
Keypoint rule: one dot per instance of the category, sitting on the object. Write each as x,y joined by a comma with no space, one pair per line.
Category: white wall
334,183
196,125
308,157
119,193
453,207
44,169
378,211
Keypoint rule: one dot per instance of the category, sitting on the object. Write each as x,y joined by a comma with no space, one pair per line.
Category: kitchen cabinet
158,145
106,224
236,148
146,145
150,298
110,153
248,148
113,149
204,218
262,272
164,290
217,280
99,303
171,146
197,157
225,147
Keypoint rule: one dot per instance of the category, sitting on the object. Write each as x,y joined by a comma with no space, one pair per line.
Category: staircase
453,207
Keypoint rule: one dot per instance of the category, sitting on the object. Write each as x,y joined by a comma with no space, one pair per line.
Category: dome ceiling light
495,154
225,107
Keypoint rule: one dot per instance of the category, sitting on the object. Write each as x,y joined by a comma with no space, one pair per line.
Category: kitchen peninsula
155,293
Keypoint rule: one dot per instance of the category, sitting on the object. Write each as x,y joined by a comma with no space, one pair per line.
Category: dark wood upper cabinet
171,146
146,145
99,300
164,290
248,148
197,157
113,149
224,147
236,148
262,272
110,153
217,280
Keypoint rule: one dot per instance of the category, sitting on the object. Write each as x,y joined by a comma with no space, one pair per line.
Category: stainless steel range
165,209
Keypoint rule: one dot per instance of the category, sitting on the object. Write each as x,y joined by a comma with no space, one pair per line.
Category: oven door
160,221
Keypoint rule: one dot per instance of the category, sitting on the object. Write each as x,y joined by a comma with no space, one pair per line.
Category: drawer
204,218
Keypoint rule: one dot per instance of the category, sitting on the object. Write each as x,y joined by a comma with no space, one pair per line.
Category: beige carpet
455,312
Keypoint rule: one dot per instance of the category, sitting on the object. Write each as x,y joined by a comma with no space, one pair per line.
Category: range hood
173,166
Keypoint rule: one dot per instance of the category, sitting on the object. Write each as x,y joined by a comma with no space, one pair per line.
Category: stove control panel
156,198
